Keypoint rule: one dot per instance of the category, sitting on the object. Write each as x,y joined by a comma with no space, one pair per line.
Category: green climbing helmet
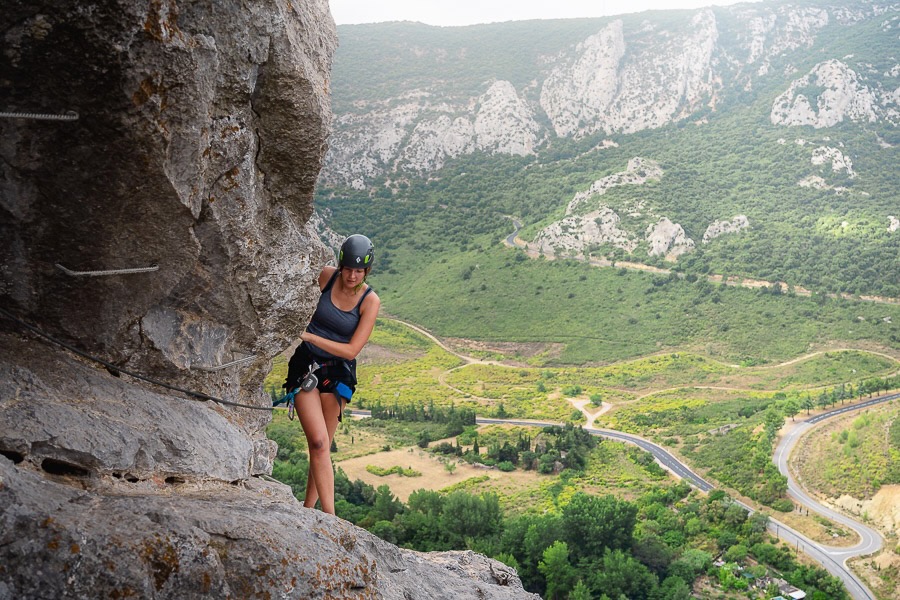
357,252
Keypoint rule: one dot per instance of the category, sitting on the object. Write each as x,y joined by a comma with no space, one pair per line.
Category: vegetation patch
851,455
395,470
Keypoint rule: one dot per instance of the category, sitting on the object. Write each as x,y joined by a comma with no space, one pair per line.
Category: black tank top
331,322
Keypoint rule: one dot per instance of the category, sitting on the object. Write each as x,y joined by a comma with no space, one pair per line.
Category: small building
790,591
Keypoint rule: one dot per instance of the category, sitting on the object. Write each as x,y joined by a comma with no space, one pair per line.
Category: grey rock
79,537
717,228
588,222
668,239
841,96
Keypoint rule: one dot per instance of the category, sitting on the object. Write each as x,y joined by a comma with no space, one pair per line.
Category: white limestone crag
606,88
573,235
589,222
839,161
638,171
668,239
839,94
718,228
778,31
504,123
416,134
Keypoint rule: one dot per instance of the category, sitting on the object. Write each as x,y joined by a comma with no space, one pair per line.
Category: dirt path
514,241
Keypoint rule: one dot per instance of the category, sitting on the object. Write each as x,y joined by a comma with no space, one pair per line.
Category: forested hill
757,140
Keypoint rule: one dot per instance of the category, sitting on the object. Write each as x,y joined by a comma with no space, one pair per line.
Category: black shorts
330,373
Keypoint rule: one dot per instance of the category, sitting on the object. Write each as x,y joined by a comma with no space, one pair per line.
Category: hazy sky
469,12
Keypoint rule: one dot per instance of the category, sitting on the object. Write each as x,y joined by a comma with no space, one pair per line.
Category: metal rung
67,116
72,273
239,361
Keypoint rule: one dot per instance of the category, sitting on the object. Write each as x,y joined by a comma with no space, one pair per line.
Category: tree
618,574
807,404
526,537
580,591
736,554
558,571
469,516
386,505
654,553
690,564
791,408
592,524
674,588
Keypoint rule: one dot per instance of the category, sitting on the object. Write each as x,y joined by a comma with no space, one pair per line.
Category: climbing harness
72,273
310,381
67,116
116,369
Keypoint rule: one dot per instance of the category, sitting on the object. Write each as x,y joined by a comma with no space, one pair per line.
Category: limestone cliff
630,74
156,181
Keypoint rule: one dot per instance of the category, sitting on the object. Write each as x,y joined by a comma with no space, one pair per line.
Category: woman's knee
318,444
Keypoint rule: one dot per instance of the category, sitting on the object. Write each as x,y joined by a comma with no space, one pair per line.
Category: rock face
162,231
211,541
589,224
601,90
668,239
416,134
831,93
717,228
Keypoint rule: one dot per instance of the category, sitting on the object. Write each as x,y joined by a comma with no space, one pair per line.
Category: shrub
783,505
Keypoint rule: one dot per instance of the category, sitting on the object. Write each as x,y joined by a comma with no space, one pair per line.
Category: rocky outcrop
717,228
574,235
157,250
829,94
779,31
637,172
839,161
216,540
668,239
417,135
590,223
504,123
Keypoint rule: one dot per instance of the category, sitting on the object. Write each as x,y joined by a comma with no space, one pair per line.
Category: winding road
833,559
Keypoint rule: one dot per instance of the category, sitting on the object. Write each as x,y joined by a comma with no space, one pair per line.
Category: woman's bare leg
319,418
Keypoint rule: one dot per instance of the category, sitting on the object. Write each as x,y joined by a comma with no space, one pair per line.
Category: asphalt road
832,559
